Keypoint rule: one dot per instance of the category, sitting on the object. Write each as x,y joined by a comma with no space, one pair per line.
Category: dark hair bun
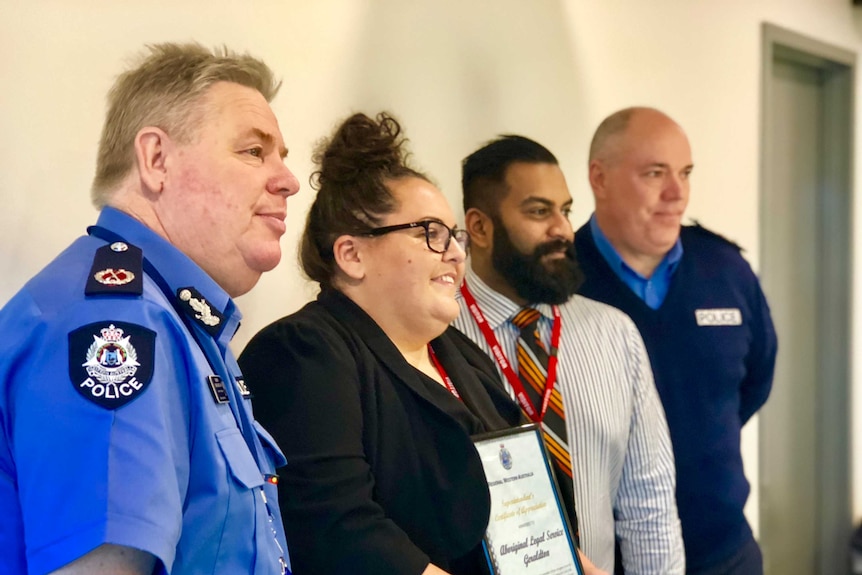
361,148
355,165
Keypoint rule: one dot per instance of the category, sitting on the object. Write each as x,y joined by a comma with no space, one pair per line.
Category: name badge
720,316
218,389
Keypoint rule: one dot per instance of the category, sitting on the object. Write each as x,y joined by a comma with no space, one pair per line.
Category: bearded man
604,426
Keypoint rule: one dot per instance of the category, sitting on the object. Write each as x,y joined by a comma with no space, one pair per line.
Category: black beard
553,282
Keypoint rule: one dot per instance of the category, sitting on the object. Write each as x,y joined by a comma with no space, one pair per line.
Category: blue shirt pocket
270,446
242,465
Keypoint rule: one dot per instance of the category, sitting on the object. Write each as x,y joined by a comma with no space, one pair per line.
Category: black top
382,476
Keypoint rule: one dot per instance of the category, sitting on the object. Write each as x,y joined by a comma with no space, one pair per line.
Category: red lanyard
504,364
449,385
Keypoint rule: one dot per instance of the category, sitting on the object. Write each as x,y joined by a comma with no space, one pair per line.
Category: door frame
835,301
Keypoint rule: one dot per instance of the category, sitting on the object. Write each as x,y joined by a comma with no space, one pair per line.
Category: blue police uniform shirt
113,430
651,290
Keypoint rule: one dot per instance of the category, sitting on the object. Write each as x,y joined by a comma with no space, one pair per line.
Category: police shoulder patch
111,362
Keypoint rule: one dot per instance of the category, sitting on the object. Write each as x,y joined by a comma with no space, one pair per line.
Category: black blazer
382,476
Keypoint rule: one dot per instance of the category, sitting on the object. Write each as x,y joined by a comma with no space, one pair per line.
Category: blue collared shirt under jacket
112,428
651,290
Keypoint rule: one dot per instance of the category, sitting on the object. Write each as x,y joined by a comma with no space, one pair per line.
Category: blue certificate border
536,430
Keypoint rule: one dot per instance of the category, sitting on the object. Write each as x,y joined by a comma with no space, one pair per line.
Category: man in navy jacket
702,315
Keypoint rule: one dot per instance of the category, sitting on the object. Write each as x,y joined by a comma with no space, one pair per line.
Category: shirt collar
668,264
497,308
177,269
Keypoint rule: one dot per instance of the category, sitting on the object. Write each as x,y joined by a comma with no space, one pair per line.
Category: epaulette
118,268
208,318
702,231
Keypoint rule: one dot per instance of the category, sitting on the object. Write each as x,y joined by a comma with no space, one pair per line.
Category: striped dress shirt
622,461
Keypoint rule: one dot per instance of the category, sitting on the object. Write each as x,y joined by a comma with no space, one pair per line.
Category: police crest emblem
111,362
505,457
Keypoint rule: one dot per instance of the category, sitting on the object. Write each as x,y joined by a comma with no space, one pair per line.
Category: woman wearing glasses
369,392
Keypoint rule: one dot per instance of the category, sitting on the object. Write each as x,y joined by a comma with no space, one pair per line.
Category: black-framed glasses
437,234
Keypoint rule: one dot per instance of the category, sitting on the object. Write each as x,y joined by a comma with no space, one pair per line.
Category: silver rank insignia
197,307
114,277
204,313
118,269
117,362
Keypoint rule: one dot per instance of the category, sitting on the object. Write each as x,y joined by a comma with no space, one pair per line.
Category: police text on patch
720,316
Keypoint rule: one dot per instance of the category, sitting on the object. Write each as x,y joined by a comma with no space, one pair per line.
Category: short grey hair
165,90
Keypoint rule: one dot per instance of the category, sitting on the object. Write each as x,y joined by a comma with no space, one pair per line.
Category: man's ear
481,228
152,146
349,257
597,175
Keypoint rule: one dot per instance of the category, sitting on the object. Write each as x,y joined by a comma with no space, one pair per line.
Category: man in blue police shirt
127,442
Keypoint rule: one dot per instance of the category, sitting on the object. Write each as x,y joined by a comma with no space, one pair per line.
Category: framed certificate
528,531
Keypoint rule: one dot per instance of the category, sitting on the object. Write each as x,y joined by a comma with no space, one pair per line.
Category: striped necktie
533,369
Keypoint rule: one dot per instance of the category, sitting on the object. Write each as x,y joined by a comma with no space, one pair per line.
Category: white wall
457,73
